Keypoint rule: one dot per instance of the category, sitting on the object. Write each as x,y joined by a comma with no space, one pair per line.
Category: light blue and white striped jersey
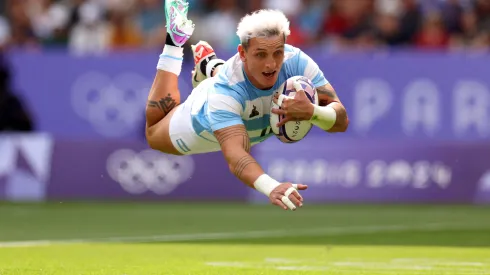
229,98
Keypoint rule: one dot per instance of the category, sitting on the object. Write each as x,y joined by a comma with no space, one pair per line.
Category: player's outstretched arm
331,114
235,145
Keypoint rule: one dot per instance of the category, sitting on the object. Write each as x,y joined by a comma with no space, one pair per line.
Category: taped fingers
289,191
294,200
297,194
279,203
297,86
288,199
288,203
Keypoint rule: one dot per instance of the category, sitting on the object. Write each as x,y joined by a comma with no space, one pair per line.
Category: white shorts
182,134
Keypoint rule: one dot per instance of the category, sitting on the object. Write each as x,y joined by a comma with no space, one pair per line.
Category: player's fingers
282,99
297,195
291,195
278,111
279,203
283,121
297,86
300,94
300,186
295,199
288,203
275,100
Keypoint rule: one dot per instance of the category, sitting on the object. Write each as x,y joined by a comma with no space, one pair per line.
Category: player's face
263,60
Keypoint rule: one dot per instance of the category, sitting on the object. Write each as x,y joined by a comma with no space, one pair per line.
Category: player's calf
164,94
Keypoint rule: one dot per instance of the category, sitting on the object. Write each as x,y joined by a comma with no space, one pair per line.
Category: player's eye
278,53
261,54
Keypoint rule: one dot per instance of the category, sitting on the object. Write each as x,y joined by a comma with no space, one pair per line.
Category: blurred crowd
98,26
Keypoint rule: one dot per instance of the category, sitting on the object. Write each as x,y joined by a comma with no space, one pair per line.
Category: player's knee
156,146
160,141
149,137
152,139
164,148
152,118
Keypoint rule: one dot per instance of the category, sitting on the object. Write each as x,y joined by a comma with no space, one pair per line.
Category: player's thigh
183,134
158,135
175,133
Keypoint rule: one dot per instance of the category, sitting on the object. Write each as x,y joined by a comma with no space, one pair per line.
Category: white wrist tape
265,184
171,59
324,116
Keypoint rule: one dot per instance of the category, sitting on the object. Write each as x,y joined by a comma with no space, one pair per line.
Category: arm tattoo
326,95
246,144
234,132
164,104
241,164
239,136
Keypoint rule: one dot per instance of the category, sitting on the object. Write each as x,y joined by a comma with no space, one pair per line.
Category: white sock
171,59
212,65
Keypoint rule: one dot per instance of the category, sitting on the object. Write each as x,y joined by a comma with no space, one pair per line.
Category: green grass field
198,238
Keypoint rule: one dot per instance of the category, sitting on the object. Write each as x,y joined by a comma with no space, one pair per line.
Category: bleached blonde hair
262,23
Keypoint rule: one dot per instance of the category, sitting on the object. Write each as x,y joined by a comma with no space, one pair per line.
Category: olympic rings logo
484,184
149,170
114,107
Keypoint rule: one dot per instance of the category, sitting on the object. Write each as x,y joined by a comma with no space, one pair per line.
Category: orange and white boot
205,62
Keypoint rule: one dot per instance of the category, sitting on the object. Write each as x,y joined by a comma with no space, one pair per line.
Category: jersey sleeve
308,67
224,108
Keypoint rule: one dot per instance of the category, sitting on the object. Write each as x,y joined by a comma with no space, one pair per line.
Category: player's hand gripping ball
293,130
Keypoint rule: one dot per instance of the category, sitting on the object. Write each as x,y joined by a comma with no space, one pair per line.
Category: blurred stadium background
412,170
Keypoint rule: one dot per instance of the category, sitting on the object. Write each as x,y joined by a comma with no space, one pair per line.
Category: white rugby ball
293,131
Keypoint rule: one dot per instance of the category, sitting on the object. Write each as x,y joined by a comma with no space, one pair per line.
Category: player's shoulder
230,78
292,54
231,73
288,48
230,81
297,62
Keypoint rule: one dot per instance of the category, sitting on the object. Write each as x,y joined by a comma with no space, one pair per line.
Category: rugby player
229,108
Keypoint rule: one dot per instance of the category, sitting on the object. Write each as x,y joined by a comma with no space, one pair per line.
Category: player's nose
270,66
271,63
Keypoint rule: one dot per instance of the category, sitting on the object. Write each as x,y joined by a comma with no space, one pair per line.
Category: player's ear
241,51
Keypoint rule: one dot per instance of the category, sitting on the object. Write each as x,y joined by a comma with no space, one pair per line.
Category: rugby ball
293,131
